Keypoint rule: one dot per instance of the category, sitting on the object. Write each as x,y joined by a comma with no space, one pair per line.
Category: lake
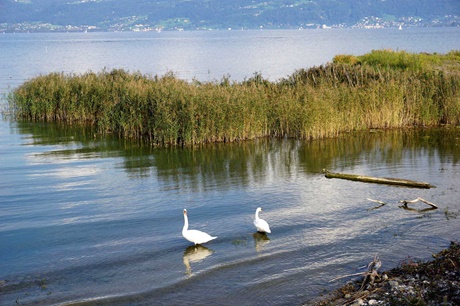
97,220
205,55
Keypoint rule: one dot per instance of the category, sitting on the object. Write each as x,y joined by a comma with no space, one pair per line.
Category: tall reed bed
382,89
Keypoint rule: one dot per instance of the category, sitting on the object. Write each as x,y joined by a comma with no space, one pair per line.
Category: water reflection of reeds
251,162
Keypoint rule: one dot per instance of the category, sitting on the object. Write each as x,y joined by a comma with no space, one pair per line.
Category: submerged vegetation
381,89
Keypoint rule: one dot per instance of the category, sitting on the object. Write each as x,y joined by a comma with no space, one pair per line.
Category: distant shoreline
30,29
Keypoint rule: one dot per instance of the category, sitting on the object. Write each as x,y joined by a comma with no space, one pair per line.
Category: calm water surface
85,218
98,220
205,56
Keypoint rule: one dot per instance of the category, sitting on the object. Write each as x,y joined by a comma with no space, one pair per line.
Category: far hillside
143,15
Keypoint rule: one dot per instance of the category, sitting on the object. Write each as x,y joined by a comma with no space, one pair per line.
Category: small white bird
195,236
261,224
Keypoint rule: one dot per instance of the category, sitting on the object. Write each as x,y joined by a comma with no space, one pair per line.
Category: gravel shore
435,282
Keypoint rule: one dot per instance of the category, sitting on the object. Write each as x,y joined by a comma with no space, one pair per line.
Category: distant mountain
139,15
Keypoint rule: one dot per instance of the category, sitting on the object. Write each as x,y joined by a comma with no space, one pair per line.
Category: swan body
261,225
195,236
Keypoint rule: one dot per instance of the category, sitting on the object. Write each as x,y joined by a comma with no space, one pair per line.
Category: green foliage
345,59
402,60
392,60
382,89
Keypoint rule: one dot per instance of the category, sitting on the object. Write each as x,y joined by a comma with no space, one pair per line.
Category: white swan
195,236
261,225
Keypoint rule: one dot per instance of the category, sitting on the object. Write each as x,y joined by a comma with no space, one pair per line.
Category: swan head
259,209
185,211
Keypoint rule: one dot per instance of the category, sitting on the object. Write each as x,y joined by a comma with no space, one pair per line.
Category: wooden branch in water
377,180
371,272
377,201
348,275
405,202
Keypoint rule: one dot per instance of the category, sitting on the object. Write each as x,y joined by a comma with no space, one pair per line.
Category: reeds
382,89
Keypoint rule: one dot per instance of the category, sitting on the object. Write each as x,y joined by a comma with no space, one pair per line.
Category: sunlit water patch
86,219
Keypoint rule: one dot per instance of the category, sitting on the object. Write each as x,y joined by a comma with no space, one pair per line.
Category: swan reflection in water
260,240
194,254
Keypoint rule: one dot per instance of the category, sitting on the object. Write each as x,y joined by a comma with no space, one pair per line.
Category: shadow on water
417,210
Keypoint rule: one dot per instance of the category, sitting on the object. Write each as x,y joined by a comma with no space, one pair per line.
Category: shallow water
91,219
84,218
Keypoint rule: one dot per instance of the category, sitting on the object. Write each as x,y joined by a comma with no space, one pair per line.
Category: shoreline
413,282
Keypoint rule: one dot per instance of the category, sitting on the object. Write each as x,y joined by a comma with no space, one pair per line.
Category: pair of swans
199,237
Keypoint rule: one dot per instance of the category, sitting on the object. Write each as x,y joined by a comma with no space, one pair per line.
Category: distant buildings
140,24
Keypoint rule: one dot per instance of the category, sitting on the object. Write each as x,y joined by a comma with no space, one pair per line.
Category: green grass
402,60
382,89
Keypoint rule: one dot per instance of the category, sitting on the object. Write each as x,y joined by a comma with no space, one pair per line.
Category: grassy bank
382,89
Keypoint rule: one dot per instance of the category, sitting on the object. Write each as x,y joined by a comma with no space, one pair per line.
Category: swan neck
257,215
185,223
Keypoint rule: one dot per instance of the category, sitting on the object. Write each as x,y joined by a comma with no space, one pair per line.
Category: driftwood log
405,202
378,180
